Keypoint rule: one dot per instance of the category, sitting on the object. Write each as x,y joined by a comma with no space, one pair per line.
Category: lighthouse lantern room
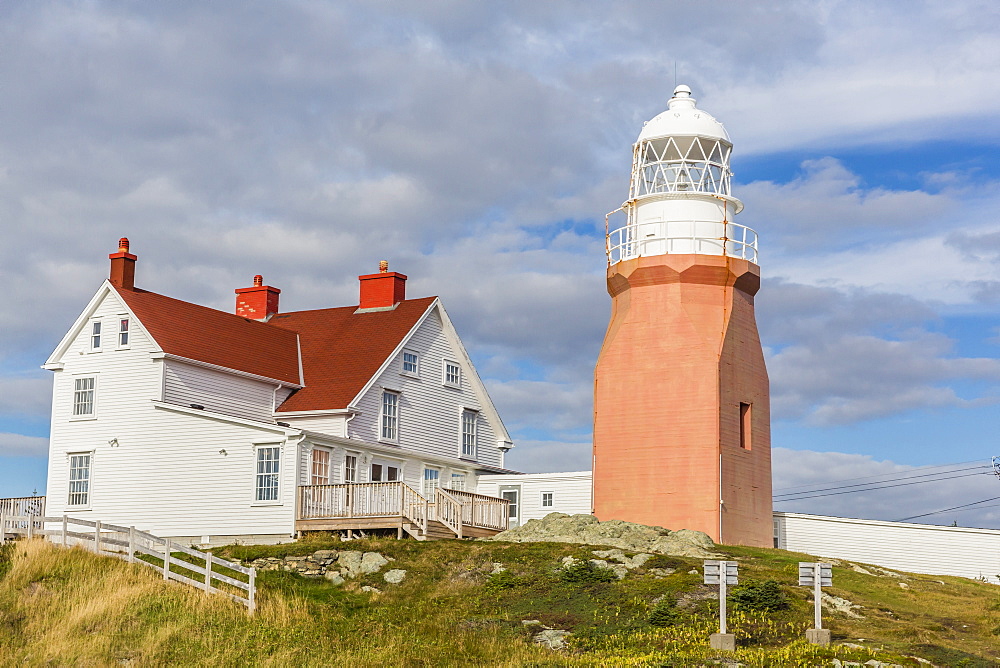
681,403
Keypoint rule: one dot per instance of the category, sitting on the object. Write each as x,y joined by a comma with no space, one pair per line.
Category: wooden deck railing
33,506
453,508
127,542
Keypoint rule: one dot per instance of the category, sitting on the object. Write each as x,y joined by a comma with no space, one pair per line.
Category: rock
638,561
551,638
395,576
618,569
497,568
860,569
616,554
587,530
569,561
660,573
840,605
531,622
334,577
693,571
350,562
371,590
903,585
372,562
324,554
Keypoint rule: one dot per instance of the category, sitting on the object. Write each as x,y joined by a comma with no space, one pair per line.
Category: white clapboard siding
221,392
918,548
157,469
571,492
411,464
429,412
334,425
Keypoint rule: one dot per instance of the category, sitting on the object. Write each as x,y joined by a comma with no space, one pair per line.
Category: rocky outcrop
587,530
337,566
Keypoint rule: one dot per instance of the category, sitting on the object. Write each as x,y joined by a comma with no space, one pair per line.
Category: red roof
224,339
341,349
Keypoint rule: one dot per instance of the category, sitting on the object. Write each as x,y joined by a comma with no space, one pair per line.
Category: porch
13,514
448,513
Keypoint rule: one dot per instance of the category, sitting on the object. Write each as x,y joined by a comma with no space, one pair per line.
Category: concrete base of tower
818,636
723,641
681,400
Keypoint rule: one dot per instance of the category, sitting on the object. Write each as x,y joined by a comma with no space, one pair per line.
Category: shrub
765,596
665,613
582,572
664,561
502,581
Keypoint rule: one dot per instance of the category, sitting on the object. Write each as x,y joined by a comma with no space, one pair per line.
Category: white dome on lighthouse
683,118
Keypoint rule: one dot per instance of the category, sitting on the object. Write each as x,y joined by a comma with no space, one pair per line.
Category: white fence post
131,544
252,591
3,527
65,522
208,572
97,537
31,527
166,559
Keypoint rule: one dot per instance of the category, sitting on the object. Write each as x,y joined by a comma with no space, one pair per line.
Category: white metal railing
127,542
671,237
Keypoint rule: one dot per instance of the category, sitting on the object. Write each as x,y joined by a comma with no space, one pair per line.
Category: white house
213,427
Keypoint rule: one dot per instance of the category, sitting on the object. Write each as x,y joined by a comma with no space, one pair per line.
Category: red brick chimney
122,267
382,290
259,302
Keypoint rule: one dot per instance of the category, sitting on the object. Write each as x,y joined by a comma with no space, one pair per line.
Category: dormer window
411,364
95,335
123,332
452,374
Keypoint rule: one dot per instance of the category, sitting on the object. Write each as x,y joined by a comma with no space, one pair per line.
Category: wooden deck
396,505
25,506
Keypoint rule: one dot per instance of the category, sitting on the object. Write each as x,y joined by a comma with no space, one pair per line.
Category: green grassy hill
70,608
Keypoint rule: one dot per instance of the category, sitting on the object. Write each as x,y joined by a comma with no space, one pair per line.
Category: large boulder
588,530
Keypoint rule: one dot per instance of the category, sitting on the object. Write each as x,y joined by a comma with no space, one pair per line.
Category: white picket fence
128,542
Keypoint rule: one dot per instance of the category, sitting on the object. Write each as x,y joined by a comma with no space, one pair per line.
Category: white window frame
90,480
552,499
456,476
445,380
462,454
258,448
325,480
386,463
424,486
345,469
393,436
127,332
99,334
415,373
92,415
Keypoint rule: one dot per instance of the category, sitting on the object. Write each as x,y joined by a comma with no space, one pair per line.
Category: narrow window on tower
746,415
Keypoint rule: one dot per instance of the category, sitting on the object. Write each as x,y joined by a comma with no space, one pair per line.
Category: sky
478,146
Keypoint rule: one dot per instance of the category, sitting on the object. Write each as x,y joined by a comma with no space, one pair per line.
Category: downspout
354,410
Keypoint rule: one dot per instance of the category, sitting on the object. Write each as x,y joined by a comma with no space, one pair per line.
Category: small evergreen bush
583,572
763,596
502,581
665,613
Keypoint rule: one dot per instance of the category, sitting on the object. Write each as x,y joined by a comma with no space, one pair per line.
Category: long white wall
571,492
429,411
222,392
918,548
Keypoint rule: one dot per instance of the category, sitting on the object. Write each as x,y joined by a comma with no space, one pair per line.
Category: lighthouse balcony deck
443,513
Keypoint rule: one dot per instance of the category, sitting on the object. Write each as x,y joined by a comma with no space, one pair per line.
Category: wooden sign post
722,573
816,575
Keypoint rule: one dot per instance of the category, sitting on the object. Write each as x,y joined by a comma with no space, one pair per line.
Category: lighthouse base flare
681,400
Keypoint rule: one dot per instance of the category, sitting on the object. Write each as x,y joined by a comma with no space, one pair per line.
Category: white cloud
18,445
834,478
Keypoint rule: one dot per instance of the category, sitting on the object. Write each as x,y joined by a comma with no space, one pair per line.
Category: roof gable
342,350
215,337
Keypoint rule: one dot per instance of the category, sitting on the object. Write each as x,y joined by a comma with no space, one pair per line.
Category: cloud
532,456
18,445
936,488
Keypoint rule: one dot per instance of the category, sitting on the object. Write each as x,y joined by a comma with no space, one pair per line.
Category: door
384,498
512,494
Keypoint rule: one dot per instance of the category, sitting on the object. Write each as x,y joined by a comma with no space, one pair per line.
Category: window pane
123,332
267,474
469,433
389,416
376,475
83,396
410,362
320,467
79,480
95,335
350,468
431,479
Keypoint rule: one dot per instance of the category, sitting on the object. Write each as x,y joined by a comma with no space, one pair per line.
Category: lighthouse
681,399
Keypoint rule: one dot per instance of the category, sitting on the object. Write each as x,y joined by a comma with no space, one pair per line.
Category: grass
69,607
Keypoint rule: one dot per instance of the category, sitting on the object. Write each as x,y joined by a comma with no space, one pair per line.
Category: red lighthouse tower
681,400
